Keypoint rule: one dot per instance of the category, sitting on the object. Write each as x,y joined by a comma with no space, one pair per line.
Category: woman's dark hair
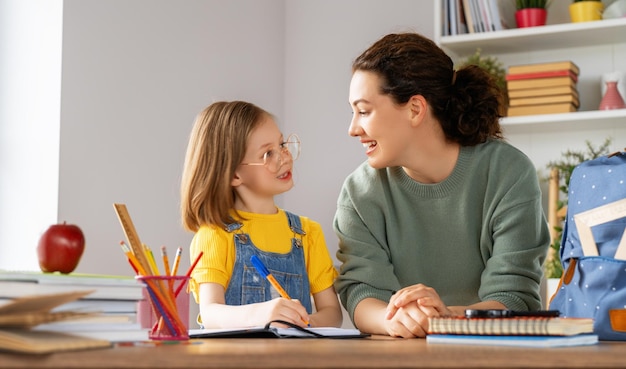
466,102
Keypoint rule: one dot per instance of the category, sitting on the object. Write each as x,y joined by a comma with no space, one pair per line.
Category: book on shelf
539,100
544,67
556,108
517,341
540,83
546,91
545,74
469,18
528,326
104,287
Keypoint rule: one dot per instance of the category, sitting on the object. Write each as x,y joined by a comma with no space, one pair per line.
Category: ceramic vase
531,17
612,98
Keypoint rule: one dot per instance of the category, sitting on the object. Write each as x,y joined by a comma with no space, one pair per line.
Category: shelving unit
548,37
545,39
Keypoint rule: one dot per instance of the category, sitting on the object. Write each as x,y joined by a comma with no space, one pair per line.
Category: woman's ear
418,107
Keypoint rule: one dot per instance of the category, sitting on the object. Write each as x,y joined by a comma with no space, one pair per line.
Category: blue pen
260,267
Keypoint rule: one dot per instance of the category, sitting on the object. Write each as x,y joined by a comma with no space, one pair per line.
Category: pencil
191,268
166,267
179,252
151,261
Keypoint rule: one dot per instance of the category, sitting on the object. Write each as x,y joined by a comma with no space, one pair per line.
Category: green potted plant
531,13
586,10
565,165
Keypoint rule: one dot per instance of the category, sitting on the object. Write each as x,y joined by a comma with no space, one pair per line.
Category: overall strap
294,223
232,226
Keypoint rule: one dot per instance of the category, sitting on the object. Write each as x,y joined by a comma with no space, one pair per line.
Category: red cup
163,312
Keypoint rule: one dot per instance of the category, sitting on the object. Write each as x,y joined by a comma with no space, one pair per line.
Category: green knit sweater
478,235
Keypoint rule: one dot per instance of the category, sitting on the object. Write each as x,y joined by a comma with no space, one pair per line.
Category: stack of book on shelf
524,330
110,303
544,88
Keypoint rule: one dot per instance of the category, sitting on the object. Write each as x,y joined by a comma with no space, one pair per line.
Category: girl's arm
216,314
328,311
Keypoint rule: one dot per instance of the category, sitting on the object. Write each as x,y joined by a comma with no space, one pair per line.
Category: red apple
60,248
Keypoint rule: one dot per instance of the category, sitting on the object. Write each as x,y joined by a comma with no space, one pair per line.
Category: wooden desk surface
325,353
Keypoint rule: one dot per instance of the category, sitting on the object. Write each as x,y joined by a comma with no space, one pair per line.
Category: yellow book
540,83
544,67
538,100
547,91
541,109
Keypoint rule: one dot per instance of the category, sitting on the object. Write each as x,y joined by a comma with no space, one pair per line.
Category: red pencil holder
165,309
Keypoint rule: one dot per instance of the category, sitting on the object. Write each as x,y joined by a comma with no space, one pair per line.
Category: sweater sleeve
520,238
366,270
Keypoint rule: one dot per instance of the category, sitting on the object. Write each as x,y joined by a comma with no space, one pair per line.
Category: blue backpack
593,247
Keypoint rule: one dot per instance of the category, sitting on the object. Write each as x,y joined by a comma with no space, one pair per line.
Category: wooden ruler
131,235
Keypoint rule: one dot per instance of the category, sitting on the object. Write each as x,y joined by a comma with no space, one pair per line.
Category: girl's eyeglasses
275,158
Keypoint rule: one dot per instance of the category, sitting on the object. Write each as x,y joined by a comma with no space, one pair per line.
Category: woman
444,215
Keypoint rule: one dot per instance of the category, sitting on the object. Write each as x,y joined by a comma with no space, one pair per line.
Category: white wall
135,74
323,38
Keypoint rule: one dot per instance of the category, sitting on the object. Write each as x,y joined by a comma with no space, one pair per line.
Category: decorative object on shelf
494,67
586,10
616,9
531,13
564,167
612,99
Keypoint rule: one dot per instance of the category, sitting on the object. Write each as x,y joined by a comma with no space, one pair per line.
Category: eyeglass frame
283,148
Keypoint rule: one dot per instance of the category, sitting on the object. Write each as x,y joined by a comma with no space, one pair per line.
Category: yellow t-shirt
268,232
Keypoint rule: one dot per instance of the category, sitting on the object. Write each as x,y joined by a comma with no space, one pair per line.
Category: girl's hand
280,308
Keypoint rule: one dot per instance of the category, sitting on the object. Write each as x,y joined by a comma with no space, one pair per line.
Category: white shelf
607,116
547,37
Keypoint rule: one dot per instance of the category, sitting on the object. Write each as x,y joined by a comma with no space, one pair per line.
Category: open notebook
268,331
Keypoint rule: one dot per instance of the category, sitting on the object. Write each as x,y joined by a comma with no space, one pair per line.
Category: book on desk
270,331
48,312
523,331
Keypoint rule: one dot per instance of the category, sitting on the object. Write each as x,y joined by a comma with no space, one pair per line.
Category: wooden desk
325,353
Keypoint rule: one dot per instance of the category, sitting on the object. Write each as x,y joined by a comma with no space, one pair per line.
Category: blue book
519,341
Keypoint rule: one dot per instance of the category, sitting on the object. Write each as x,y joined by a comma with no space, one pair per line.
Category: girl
237,161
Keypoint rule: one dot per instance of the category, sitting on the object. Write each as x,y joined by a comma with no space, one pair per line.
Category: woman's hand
408,321
409,309
426,298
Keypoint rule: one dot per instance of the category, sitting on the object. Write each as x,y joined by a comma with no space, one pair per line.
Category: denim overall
246,285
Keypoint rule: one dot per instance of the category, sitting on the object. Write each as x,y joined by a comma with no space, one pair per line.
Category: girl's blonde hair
217,145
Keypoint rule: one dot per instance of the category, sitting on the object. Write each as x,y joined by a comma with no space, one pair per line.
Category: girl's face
273,178
384,128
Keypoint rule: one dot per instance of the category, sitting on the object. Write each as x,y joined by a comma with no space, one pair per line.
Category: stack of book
110,303
525,331
544,88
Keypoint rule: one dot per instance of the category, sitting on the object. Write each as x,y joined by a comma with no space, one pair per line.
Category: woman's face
383,127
